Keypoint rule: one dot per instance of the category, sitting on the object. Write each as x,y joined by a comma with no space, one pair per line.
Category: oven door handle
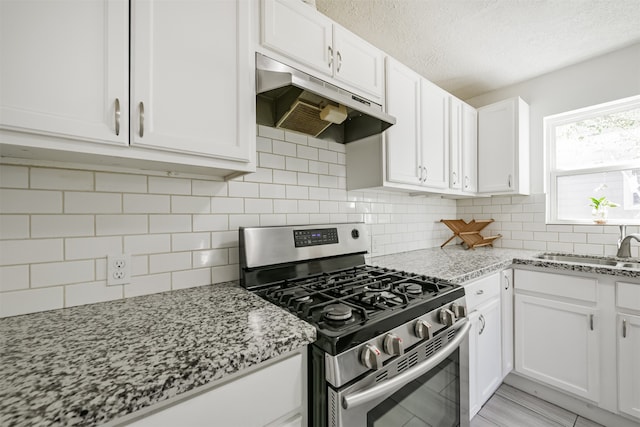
397,382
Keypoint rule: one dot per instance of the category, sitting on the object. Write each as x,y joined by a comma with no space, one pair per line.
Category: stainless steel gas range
389,342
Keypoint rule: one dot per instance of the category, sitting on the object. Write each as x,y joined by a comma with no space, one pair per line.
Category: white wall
58,225
606,78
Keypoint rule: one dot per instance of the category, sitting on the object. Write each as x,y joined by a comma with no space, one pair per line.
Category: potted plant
600,209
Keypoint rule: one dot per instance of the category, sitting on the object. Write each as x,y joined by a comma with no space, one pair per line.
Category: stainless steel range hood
290,99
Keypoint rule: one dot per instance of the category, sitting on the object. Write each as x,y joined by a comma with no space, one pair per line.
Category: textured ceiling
470,47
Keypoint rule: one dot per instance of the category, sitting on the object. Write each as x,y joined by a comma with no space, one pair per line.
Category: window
593,160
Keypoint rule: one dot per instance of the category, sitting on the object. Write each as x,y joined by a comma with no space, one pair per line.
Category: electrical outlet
118,269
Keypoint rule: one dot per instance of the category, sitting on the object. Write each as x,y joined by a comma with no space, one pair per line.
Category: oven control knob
393,345
459,310
371,357
423,329
447,317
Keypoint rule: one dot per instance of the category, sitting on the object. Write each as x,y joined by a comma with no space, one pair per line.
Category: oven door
431,389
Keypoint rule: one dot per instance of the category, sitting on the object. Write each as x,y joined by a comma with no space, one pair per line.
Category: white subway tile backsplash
14,226
335,146
224,239
162,185
139,265
298,138
14,252
297,192
190,204
337,170
191,278
61,179
14,278
209,188
30,201
237,221
318,143
263,145
121,183
297,219
112,225
269,132
309,153
224,273
327,156
298,165
210,222
227,205
243,189
169,223
308,206
319,168
273,161
84,202
145,285
284,148
14,176
147,244
61,273
190,241
308,179
258,206
210,258
328,181
260,175
92,247
285,177
62,225
175,261
273,219
90,293
31,301
146,203
272,191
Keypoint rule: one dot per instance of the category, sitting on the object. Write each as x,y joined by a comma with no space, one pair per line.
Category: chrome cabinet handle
484,323
330,56
339,61
624,328
420,173
117,116
466,181
455,178
141,119
424,168
388,387
509,181
508,281
479,292
591,321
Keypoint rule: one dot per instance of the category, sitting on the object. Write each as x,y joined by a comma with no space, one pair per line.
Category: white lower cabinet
629,364
274,395
485,340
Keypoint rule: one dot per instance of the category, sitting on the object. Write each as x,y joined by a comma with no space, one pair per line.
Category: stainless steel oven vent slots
450,335
413,359
403,364
382,376
333,408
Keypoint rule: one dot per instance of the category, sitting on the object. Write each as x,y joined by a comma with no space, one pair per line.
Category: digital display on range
324,236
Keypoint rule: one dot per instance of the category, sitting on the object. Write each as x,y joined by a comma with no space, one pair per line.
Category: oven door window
431,400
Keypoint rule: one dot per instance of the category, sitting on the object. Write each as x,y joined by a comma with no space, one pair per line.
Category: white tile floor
510,407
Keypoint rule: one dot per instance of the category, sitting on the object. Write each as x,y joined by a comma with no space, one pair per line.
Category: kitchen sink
580,259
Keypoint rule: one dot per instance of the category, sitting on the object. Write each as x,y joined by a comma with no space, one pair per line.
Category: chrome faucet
624,242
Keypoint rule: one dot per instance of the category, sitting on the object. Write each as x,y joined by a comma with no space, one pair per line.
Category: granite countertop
459,265
91,364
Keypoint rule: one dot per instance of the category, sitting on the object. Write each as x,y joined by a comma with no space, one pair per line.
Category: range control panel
321,236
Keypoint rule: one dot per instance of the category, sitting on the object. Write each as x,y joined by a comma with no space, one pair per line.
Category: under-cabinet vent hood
290,99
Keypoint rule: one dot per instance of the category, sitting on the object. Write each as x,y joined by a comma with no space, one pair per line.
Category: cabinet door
489,357
403,138
455,144
557,344
469,149
506,300
357,63
65,69
629,364
497,137
299,32
434,115
474,403
192,90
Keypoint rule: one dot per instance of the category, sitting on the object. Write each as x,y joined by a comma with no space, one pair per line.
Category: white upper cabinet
469,149
298,31
503,147
434,117
65,74
463,147
191,79
403,138
65,69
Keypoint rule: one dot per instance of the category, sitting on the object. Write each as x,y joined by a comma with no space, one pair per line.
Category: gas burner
381,297
379,287
413,289
338,312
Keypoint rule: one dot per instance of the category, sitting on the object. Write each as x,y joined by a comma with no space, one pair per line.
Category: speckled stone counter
459,265
91,364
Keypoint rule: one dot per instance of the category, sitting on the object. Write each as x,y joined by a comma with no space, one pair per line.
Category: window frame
552,174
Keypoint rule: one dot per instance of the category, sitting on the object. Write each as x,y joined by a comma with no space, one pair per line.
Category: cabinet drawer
482,290
628,295
581,288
